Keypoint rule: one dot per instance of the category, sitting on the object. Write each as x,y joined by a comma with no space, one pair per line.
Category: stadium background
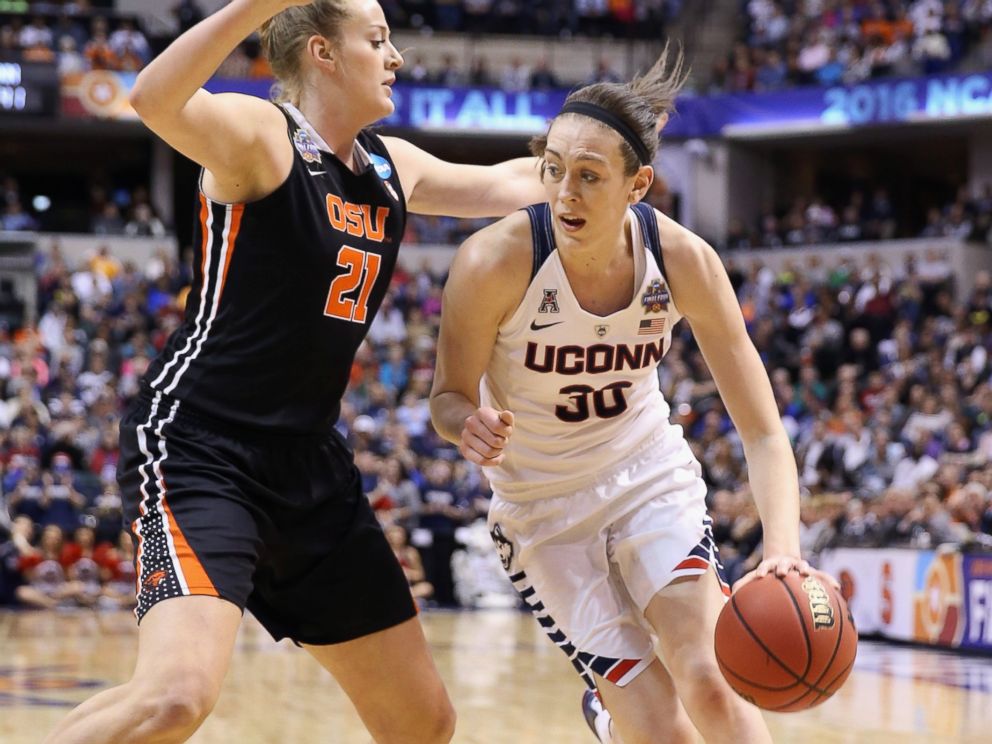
836,152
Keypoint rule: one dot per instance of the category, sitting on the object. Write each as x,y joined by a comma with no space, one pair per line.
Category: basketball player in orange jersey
236,488
598,510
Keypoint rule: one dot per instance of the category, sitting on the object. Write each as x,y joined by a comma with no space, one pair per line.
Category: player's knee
440,728
705,682
180,705
435,725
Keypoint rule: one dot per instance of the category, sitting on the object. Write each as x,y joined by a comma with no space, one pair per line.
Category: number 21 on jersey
360,268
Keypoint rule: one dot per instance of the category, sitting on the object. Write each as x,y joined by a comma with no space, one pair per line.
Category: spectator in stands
118,574
70,61
10,47
542,77
144,223
66,26
15,218
409,559
479,74
187,14
604,72
13,550
515,76
441,512
36,34
130,46
98,52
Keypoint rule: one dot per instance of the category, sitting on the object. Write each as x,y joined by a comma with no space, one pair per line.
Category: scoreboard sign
28,88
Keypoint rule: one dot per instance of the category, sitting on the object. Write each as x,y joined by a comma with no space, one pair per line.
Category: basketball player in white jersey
561,314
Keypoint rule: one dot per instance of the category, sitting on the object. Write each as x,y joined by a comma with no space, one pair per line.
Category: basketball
786,644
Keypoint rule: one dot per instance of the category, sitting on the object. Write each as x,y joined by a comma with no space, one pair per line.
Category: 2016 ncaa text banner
800,110
896,101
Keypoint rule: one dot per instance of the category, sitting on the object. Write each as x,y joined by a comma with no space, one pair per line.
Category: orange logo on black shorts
153,579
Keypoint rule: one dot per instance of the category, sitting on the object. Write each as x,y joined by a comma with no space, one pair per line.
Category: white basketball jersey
583,388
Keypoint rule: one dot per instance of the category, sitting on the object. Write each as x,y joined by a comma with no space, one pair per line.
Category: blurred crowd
73,37
832,42
874,216
112,209
883,382
618,18
881,374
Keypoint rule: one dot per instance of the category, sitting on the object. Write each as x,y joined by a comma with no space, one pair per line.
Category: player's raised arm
488,278
230,135
435,186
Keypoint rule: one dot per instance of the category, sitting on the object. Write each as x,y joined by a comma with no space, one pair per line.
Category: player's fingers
483,431
475,457
498,422
783,566
482,446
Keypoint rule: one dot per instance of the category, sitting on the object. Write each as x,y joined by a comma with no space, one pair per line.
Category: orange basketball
786,644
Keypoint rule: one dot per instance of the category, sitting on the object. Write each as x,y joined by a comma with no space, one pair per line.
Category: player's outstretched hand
484,436
780,565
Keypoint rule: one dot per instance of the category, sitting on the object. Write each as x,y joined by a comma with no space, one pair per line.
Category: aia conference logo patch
306,147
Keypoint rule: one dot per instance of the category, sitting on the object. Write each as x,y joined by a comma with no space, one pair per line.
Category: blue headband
614,122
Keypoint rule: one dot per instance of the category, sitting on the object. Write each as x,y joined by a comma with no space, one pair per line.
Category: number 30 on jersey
360,268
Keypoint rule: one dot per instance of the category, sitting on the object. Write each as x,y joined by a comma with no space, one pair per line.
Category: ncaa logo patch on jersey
656,298
306,147
383,167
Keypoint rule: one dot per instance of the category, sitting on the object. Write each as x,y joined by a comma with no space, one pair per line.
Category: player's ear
642,182
322,52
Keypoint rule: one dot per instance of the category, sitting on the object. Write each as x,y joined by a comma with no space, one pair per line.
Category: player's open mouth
572,224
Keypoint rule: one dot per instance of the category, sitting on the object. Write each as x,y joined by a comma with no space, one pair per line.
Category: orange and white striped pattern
167,565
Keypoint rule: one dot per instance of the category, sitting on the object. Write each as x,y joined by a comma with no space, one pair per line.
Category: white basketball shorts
588,563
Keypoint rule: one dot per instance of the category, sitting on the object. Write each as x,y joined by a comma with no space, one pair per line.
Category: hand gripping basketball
484,436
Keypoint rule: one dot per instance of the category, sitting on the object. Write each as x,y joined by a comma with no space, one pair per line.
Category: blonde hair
285,35
639,103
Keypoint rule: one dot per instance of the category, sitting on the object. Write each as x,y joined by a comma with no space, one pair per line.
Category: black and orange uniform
235,482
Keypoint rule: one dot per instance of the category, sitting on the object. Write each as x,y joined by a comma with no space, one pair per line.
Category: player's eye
377,44
589,177
554,171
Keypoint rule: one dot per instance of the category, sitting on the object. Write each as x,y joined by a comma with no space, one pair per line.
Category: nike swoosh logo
316,173
535,327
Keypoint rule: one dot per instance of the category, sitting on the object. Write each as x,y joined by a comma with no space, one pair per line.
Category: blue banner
892,102
483,110
977,602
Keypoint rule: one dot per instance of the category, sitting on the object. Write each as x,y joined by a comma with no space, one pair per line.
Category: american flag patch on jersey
651,327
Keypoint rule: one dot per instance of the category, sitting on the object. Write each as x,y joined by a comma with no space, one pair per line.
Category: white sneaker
597,717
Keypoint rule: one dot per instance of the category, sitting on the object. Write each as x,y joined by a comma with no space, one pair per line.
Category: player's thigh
391,679
684,616
184,650
648,708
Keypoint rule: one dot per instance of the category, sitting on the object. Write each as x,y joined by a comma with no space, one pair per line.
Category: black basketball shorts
275,524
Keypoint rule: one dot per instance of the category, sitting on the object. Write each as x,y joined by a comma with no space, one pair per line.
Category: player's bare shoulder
691,264
681,246
497,262
504,247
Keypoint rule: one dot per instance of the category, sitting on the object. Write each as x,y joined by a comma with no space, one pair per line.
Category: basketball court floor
508,683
